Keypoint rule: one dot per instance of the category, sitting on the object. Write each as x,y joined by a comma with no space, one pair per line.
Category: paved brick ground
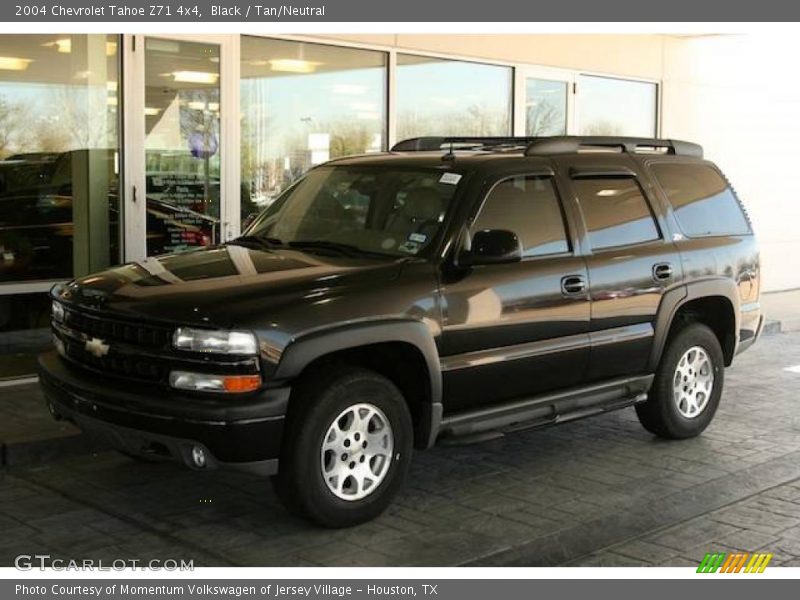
598,491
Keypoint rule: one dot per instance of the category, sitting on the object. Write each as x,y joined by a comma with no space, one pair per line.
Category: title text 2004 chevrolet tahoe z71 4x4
452,287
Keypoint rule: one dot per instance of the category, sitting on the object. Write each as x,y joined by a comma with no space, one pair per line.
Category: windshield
368,209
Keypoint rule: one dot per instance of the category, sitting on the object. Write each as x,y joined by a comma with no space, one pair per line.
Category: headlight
57,311
220,342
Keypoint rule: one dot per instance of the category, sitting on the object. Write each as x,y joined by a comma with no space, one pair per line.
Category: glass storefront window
545,107
59,177
608,106
303,104
59,155
449,97
182,142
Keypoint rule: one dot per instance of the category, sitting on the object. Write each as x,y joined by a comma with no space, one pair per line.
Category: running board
548,409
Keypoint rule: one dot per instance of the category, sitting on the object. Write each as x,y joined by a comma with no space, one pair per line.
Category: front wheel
347,447
687,386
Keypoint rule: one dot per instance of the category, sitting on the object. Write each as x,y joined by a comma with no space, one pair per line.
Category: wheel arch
404,351
714,302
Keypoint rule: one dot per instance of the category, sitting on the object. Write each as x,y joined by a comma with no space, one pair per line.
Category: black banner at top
256,11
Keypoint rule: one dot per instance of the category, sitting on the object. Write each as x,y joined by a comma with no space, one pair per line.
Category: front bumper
241,432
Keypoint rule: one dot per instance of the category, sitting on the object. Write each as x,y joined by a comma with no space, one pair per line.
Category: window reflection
59,160
303,104
59,177
615,211
608,106
449,97
182,158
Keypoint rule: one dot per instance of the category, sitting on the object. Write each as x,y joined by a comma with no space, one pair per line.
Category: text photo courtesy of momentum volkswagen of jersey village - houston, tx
355,300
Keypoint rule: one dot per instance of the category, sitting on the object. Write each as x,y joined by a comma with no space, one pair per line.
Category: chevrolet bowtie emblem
96,347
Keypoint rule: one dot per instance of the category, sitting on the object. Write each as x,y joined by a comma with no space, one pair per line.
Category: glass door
544,102
178,199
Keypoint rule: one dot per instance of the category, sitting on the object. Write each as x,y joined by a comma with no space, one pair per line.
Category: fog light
198,457
204,382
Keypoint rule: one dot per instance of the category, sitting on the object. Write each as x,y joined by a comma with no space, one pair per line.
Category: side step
547,409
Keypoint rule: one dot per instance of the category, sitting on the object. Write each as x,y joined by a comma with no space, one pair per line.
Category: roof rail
571,144
434,143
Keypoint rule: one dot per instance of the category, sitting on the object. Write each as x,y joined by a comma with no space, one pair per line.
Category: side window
528,206
703,202
615,211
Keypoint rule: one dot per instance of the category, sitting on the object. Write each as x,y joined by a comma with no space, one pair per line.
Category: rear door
518,329
631,258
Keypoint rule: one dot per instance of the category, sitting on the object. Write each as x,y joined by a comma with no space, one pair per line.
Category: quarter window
704,203
615,212
528,206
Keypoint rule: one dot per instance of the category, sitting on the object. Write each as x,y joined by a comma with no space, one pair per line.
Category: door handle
573,285
662,271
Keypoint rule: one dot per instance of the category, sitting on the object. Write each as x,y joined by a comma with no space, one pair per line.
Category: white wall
735,95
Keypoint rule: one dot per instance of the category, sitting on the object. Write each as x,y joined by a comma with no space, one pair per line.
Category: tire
328,471
669,411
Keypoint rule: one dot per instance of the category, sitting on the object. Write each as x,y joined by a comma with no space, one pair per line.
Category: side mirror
492,247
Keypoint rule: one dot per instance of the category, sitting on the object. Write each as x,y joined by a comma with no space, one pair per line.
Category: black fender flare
305,349
675,298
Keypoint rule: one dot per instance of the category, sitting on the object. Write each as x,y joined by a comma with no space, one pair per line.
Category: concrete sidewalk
28,434
782,310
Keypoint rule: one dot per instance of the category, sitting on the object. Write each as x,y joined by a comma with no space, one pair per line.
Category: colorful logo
739,562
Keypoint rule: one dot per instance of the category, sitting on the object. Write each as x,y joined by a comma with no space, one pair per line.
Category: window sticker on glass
450,178
409,247
418,237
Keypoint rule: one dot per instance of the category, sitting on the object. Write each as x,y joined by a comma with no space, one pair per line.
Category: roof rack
570,144
539,146
434,143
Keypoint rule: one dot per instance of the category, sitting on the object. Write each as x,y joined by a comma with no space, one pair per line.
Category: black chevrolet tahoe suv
451,288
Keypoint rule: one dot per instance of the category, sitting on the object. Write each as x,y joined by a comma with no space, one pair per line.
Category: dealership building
118,147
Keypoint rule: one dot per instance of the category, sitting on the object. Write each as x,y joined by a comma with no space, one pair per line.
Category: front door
180,193
515,330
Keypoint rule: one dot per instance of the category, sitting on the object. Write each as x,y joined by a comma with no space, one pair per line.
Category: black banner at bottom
732,586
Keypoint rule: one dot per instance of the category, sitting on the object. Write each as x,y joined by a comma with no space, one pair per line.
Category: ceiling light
151,111
111,86
196,105
112,101
195,77
12,63
64,46
293,65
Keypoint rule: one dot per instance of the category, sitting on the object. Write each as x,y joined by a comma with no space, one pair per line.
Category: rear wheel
687,386
347,447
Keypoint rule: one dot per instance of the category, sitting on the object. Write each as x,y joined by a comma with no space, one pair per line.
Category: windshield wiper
340,247
256,240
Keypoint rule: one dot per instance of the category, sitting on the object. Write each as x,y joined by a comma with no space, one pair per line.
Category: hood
216,286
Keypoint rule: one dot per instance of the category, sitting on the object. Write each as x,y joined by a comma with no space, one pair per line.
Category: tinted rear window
615,211
703,202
